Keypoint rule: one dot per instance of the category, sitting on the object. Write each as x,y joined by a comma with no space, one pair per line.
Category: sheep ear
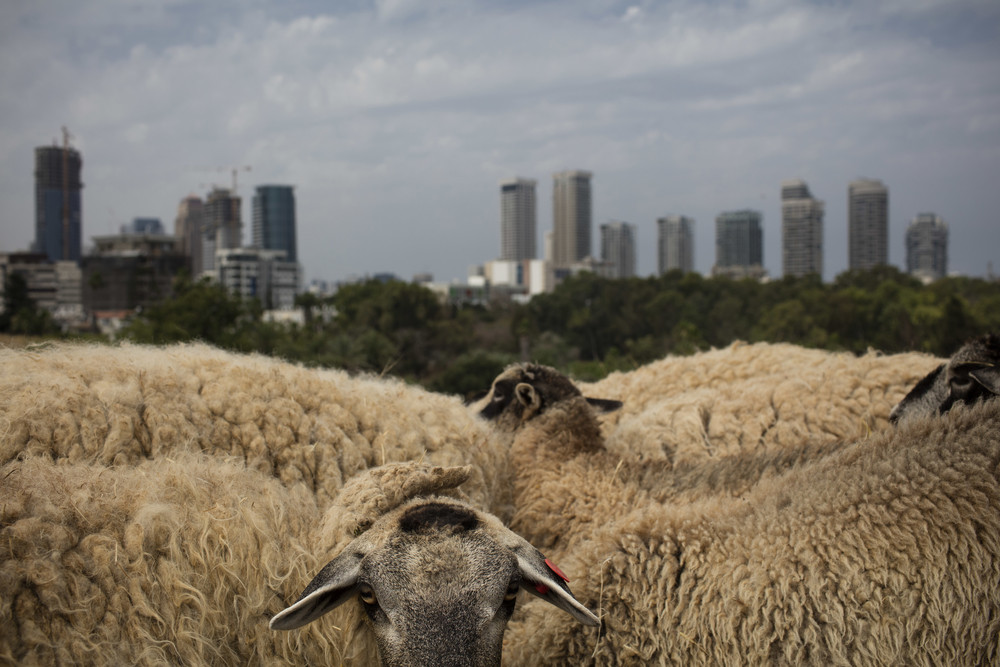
528,396
333,586
543,579
604,404
988,377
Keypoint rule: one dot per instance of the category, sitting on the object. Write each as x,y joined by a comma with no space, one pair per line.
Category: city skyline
396,119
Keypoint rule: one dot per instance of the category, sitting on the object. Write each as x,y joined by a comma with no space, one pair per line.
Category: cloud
396,119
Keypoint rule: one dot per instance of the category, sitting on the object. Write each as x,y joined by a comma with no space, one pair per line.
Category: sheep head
436,580
523,391
971,375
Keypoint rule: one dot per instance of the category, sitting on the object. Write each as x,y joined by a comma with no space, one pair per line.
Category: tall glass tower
927,247
618,249
675,244
274,220
58,203
518,213
867,224
738,242
571,217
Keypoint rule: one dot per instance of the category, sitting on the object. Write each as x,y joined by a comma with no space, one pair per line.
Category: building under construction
58,202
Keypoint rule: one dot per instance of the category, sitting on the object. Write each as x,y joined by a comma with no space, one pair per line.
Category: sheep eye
497,397
367,595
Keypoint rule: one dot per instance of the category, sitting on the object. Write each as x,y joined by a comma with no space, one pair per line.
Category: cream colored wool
884,552
752,398
177,562
121,405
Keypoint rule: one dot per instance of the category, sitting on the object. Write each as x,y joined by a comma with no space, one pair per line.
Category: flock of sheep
754,504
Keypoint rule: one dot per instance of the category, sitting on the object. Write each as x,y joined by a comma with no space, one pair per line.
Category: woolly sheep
752,398
972,374
122,405
167,562
436,579
556,448
884,552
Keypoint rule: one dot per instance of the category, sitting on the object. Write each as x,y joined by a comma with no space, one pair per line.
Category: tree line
589,326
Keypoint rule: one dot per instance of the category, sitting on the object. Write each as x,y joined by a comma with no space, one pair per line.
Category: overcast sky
395,120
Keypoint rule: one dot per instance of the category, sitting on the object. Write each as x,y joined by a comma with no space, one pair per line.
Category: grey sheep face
971,375
437,582
526,390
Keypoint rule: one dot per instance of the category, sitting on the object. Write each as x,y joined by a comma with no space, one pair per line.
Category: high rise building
221,227
126,271
675,244
739,247
927,247
618,249
255,273
801,230
274,220
867,224
571,217
188,229
518,213
58,203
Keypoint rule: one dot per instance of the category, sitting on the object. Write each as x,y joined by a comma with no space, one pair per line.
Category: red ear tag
556,570
542,589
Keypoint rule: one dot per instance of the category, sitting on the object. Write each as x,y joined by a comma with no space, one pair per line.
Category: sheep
884,552
560,461
760,397
122,405
171,561
435,578
972,374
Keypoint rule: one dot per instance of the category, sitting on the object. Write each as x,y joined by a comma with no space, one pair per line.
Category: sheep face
972,375
523,391
437,582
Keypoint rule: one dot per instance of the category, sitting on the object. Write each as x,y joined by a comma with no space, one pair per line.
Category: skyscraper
867,224
58,203
927,247
274,220
739,248
618,249
675,244
518,213
222,225
188,230
801,230
571,217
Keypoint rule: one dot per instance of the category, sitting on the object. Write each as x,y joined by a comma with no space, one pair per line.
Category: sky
396,120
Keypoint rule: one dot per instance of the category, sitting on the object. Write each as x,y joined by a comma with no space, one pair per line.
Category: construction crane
234,171
65,193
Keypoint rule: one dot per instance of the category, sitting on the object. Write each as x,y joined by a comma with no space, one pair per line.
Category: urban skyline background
397,120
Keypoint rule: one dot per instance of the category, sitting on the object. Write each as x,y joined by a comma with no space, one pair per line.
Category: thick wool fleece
752,398
121,405
168,562
885,552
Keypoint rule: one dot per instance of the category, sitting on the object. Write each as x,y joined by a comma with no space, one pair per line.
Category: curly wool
317,428
168,562
752,398
885,552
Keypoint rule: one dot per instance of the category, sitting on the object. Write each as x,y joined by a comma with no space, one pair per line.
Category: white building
675,244
261,274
